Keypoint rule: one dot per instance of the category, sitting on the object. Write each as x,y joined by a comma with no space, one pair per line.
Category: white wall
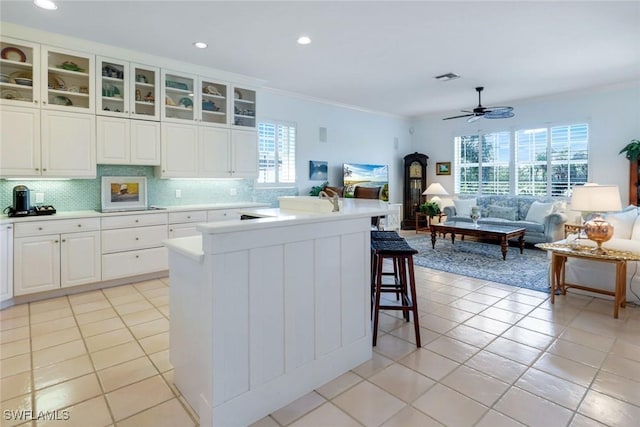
613,115
352,136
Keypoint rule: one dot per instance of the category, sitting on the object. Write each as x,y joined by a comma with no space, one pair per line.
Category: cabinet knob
137,256
44,169
39,228
44,102
64,240
79,225
9,227
137,238
126,112
188,216
35,101
55,241
37,169
137,220
171,230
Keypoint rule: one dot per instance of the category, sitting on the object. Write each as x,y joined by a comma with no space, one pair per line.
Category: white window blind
277,153
545,161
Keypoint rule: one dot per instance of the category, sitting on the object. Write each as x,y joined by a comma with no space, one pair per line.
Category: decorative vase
475,215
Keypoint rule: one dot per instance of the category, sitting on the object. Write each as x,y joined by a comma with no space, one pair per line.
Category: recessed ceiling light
304,40
447,77
200,45
45,4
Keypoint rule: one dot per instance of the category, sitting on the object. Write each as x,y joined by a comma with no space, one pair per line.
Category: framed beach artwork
365,175
124,193
443,168
318,170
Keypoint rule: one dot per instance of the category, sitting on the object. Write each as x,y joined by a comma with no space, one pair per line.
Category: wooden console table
561,251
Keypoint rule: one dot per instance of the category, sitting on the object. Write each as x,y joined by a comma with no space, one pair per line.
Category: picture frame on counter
124,193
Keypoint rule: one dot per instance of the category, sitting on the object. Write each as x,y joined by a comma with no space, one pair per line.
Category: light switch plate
39,197
178,194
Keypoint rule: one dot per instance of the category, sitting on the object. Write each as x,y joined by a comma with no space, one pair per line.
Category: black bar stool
401,255
385,235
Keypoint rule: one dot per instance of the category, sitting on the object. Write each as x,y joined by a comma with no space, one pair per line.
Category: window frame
514,166
278,164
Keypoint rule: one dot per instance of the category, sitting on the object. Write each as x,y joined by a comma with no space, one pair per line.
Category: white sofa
601,275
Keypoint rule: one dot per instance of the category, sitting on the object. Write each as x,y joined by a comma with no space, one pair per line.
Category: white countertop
4,219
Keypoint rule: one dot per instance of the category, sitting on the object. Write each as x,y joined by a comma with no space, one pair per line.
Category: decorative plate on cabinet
13,54
186,102
9,94
212,90
62,100
56,83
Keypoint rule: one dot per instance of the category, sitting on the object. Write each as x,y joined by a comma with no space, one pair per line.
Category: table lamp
597,199
435,190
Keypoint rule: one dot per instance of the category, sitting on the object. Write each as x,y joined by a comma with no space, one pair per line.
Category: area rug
484,261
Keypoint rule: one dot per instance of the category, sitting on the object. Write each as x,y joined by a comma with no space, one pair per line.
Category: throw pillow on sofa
501,212
538,211
622,222
463,206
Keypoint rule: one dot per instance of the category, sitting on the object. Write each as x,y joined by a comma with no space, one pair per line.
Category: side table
423,217
560,252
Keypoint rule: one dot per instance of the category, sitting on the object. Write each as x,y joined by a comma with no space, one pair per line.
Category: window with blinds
277,153
542,161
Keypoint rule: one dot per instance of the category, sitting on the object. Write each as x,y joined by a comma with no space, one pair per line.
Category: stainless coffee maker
21,205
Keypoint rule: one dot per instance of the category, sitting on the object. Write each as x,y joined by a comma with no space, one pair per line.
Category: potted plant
632,150
315,190
430,208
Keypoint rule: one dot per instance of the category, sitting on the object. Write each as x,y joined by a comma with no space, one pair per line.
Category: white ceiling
376,55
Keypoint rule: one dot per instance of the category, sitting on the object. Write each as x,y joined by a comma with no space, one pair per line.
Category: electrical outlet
233,192
178,194
39,197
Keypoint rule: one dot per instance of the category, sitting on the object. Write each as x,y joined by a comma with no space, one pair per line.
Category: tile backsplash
84,194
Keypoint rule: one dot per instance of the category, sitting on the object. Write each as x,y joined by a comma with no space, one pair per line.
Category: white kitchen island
264,311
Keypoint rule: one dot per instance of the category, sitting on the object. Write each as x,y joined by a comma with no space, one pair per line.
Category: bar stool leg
414,305
376,309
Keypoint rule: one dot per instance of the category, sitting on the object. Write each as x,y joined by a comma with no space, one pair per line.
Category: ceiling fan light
446,77
45,4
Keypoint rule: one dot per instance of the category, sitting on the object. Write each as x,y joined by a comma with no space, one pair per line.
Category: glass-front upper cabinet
178,96
145,92
69,77
213,102
113,87
19,72
244,107
127,89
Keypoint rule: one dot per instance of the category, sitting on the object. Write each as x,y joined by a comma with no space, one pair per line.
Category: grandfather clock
415,182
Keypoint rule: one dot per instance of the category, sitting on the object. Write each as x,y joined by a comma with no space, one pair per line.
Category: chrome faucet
332,199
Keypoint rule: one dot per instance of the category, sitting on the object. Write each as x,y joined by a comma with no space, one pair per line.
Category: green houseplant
430,208
315,190
632,150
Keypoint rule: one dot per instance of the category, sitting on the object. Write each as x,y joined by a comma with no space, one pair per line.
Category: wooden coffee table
482,231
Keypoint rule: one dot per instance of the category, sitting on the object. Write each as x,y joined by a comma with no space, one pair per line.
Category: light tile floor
492,355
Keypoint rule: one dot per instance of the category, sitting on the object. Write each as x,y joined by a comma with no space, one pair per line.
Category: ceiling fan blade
458,117
474,118
499,114
502,108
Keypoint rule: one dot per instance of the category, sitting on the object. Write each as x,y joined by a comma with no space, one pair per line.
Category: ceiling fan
486,112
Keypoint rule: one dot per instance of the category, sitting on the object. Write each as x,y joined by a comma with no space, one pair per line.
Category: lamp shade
596,198
435,189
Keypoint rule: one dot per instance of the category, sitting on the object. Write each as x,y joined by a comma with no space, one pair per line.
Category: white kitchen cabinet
127,142
244,154
22,69
127,90
183,224
132,245
212,103
222,215
19,142
214,152
42,143
179,144
6,261
244,107
67,82
68,144
53,254
178,97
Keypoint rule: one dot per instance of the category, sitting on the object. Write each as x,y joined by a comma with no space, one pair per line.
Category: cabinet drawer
182,217
41,228
121,221
222,215
126,239
132,263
